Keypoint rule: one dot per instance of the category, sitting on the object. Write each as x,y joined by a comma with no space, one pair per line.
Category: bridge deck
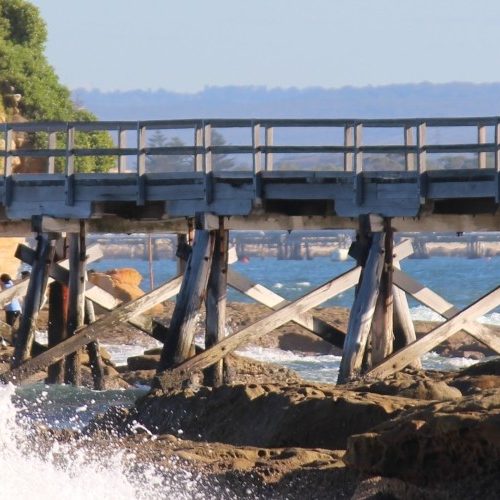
457,199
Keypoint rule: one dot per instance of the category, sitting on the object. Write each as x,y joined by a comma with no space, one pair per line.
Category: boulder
127,275
123,284
416,384
143,362
431,390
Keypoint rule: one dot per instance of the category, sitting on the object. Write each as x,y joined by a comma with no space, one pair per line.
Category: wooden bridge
406,192
258,194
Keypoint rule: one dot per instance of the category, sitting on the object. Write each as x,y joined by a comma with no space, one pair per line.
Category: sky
187,45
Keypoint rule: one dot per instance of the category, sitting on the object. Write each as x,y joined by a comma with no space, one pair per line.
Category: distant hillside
391,101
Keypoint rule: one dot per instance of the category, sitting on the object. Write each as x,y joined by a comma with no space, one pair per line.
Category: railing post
269,142
257,156
141,164
421,155
422,160
7,166
207,146
348,143
497,158
198,143
51,166
481,139
207,162
122,143
256,159
358,164
409,157
70,165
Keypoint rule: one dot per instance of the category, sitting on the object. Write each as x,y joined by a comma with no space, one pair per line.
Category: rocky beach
271,434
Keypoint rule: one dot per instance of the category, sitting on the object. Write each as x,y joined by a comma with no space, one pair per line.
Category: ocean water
65,471
33,468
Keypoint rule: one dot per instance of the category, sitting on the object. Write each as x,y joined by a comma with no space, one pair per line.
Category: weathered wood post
404,329
382,327
359,250
215,303
93,351
38,282
76,300
177,346
58,309
361,316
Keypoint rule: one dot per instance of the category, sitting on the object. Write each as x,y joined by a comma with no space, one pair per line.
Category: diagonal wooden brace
406,355
59,272
434,301
307,320
267,324
89,333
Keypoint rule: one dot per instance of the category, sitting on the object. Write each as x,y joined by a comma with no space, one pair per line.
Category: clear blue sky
185,45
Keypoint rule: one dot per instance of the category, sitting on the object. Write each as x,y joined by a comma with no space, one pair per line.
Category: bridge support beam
36,288
58,308
215,302
362,311
177,346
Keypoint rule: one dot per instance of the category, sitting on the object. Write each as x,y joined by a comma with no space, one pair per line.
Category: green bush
24,70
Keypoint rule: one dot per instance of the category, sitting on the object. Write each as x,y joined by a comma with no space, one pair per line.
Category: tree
221,161
24,70
168,163
184,163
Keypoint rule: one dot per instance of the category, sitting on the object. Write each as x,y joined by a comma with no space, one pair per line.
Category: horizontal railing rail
260,142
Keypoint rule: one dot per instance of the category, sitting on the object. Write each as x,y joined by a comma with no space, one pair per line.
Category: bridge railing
408,140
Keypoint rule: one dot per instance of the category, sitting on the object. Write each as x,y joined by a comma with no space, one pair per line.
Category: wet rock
489,367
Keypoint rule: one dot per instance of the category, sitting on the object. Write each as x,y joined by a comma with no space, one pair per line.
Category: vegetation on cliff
29,86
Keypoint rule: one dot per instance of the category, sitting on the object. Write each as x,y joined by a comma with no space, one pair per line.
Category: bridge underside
451,200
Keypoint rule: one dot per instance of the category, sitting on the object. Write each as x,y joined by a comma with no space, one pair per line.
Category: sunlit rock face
442,441
123,284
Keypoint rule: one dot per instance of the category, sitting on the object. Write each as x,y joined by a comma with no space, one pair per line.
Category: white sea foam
278,355
32,468
422,313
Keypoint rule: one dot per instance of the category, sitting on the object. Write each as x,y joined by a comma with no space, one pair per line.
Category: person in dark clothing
13,308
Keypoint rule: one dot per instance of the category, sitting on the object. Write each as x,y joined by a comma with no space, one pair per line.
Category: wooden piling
76,301
216,304
404,329
382,327
38,281
181,331
58,308
93,350
360,319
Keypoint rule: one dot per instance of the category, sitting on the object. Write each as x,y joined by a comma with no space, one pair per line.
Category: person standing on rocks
13,308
